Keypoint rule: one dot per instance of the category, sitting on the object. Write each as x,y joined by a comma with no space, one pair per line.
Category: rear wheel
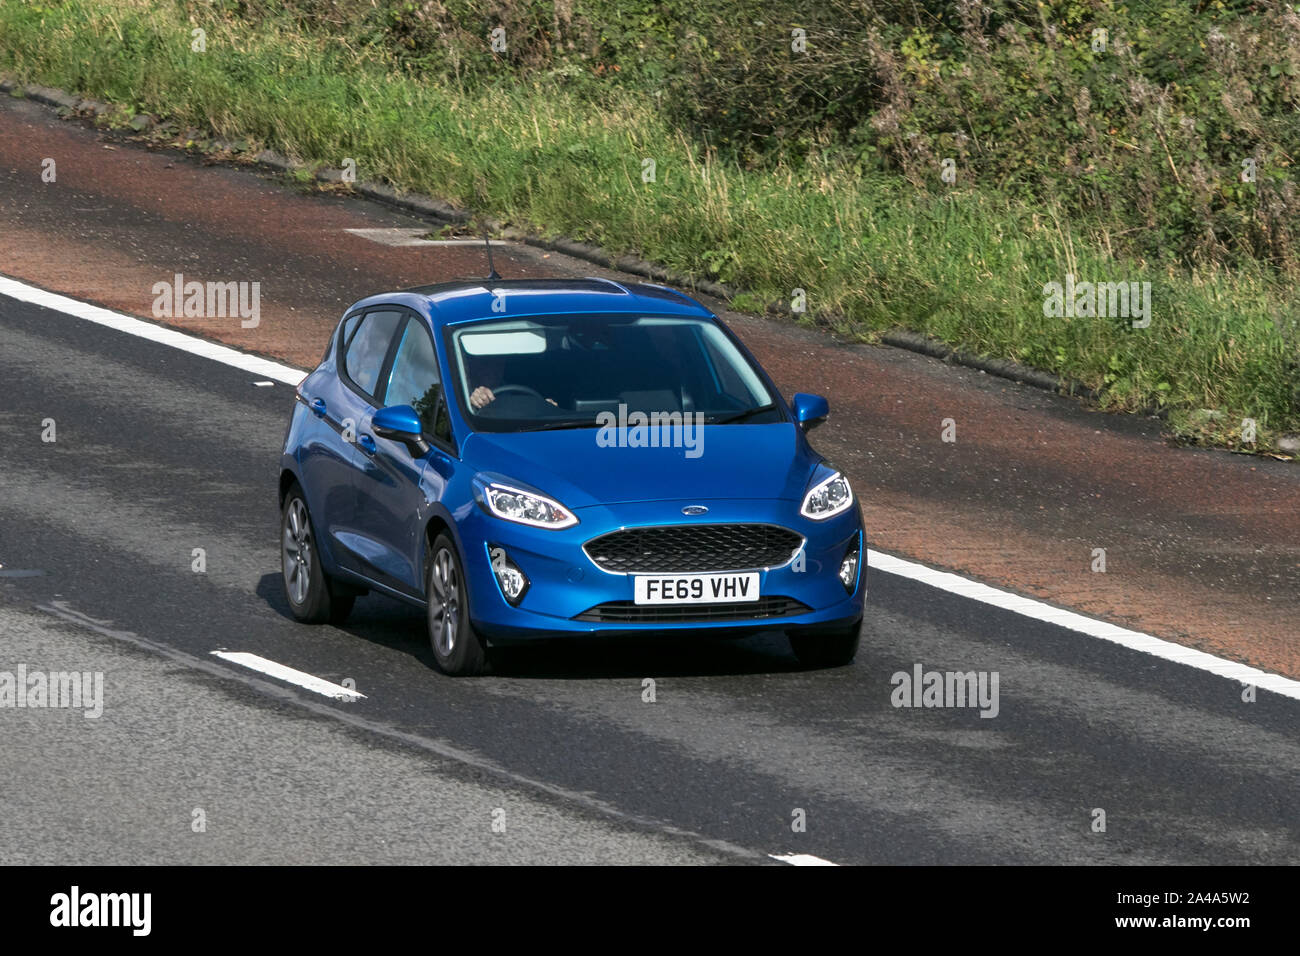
457,650
313,598
827,648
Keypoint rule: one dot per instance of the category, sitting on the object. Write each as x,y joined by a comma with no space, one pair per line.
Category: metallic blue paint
809,408
375,512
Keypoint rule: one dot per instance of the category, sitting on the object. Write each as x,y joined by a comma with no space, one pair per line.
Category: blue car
555,457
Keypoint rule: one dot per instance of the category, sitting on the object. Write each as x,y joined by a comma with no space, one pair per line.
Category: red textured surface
1201,547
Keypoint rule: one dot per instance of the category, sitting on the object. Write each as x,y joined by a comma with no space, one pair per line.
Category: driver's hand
481,397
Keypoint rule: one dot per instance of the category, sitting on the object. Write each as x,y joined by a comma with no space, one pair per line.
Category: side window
350,326
367,346
414,380
442,423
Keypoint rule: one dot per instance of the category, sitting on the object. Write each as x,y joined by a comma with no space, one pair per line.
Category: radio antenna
492,270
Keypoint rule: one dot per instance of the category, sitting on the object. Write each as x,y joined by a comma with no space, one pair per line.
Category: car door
367,344
327,453
394,483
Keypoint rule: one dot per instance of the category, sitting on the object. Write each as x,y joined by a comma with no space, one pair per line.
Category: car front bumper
568,594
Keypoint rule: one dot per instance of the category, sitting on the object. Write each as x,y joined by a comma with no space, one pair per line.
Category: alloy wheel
444,602
297,552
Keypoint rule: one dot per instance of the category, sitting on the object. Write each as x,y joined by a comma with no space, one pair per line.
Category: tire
313,597
827,648
457,650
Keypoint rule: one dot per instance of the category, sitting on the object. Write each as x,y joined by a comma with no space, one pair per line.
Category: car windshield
564,371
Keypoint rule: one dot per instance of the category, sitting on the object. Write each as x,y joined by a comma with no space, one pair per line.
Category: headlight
827,498
512,504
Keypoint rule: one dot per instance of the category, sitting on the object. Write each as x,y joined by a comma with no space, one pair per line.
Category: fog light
849,569
512,581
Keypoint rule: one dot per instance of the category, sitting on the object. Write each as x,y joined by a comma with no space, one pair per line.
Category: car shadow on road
391,624
662,656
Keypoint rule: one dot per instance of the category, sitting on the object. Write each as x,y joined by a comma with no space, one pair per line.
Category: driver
488,370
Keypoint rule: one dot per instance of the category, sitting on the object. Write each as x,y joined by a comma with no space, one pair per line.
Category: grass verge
869,253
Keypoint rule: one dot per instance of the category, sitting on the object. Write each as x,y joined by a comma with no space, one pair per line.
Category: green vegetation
819,170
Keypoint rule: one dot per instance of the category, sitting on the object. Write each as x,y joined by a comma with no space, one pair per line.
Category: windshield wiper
568,423
741,416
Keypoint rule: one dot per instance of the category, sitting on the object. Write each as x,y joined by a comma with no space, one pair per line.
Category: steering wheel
517,389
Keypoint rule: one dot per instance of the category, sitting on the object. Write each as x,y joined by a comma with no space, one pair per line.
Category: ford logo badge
695,510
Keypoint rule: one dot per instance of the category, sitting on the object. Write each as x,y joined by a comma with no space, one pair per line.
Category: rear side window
367,347
414,380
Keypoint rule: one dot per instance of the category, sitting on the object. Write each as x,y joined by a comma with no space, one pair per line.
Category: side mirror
400,423
809,410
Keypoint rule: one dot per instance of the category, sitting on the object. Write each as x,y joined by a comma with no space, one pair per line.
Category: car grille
627,612
698,548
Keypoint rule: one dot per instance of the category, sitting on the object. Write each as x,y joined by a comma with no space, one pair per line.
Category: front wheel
827,648
457,650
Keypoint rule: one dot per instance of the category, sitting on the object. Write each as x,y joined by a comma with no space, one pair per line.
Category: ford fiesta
549,458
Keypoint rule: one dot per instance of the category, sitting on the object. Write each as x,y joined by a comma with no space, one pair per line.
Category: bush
1133,180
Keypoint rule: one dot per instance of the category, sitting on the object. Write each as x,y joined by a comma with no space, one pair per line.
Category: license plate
696,588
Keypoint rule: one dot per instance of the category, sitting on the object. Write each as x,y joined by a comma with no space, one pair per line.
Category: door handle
367,444
318,406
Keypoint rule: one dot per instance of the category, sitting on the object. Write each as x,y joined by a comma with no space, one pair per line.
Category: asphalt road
1202,547
158,453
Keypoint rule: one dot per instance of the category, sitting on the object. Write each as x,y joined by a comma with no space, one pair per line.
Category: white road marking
462,242
1135,640
358,719
264,368
288,674
412,237
801,859
946,581
264,384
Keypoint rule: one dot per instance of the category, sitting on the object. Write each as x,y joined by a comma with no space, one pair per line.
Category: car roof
467,299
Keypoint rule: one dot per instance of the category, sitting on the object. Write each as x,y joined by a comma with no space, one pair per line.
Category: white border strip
289,675
264,368
406,236
954,584
801,859
1134,640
